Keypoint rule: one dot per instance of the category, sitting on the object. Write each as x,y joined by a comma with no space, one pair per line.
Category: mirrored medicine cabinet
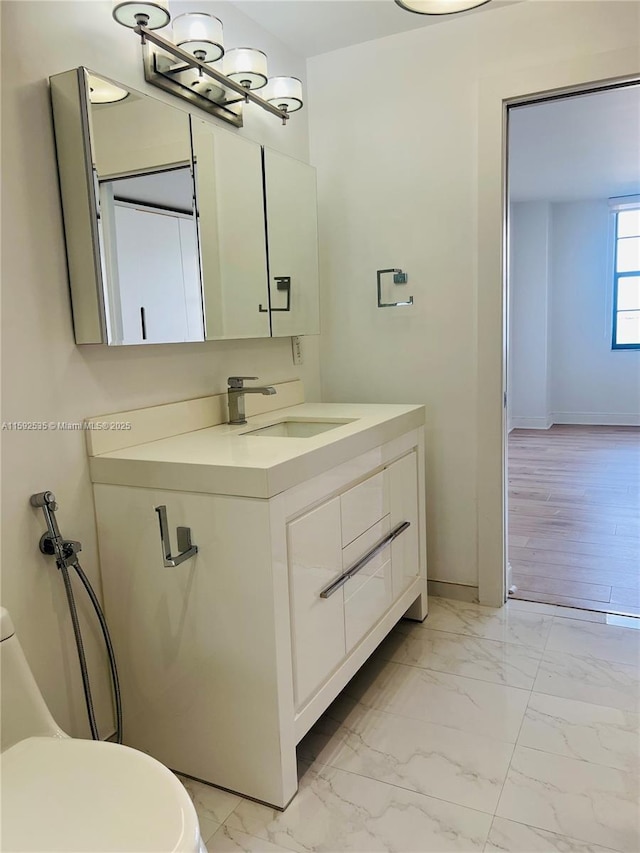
176,230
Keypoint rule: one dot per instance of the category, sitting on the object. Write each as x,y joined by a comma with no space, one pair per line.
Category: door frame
496,95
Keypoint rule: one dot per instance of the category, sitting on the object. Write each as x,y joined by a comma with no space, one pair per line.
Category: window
626,280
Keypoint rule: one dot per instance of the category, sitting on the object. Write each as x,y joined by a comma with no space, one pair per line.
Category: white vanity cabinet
228,659
343,571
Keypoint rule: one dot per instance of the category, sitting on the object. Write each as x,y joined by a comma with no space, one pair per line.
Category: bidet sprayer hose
65,552
81,655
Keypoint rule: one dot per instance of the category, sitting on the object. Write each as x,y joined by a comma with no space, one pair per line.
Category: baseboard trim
531,423
457,591
597,418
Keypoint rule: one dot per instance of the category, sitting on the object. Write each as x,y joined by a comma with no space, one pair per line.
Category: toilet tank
23,711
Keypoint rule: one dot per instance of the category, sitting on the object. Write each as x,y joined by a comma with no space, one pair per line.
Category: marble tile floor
480,730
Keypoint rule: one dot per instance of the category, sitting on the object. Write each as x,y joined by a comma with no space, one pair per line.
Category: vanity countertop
224,459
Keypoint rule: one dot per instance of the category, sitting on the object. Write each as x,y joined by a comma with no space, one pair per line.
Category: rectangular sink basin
297,429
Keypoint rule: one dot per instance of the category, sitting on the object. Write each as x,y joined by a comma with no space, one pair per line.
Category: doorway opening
573,343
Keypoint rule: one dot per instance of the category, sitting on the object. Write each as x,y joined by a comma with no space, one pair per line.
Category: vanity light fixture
285,93
246,66
190,67
200,34
439,7
152,14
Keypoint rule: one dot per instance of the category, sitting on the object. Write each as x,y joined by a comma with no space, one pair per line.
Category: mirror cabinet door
176,230
292,232
144,174
129,170
228,172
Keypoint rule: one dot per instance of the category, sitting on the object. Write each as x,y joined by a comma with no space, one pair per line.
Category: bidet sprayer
52,542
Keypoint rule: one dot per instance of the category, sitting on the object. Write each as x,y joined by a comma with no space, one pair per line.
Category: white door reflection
151,253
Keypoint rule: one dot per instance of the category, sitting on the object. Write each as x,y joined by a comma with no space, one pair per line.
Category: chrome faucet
236,392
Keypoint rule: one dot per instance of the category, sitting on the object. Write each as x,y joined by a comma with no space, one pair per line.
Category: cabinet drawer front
369,593
402,481
363,506
364,605
353,552
317,624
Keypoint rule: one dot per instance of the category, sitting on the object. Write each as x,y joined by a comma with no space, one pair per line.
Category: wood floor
574,516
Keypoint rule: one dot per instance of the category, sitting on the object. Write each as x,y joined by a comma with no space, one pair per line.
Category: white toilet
62,795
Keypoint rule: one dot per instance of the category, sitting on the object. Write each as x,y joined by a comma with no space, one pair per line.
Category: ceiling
310,27
583,147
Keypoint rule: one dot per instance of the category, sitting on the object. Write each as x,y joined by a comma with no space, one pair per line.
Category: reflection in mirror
147,221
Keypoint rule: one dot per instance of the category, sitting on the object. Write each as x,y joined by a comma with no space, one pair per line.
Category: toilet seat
71,795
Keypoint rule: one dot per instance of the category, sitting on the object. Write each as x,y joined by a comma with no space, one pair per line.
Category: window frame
616,279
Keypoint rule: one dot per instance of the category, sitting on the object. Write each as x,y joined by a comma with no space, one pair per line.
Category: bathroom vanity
309,527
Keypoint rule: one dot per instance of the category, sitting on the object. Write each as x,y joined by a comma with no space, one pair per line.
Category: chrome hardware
186,549
52,542
283,282
236,392
399,277
157,73
335,585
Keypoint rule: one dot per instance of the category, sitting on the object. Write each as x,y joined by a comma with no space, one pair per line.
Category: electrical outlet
296,349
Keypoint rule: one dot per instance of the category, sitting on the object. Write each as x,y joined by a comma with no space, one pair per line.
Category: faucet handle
236,382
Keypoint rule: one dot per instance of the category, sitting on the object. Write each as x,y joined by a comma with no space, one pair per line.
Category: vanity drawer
362,506
369,593
318,635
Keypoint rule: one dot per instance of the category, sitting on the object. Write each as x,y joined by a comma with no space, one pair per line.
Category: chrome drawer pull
362,562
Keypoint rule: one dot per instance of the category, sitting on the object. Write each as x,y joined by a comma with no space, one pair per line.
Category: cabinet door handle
185,547
335,585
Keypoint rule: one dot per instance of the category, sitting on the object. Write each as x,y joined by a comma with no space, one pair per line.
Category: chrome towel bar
362,562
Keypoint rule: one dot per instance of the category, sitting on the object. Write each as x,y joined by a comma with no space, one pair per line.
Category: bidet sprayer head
42,499
52,542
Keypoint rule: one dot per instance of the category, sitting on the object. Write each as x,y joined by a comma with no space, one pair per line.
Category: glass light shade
439,7
104,91
200,34
203,85
125,12
284,92
246,66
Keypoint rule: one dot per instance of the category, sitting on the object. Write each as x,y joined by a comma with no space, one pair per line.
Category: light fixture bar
190,60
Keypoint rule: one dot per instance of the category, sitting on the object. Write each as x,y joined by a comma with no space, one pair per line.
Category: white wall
561,365
394,134
529,284
590,382
45,377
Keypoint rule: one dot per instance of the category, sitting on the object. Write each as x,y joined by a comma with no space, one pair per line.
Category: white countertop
222,460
